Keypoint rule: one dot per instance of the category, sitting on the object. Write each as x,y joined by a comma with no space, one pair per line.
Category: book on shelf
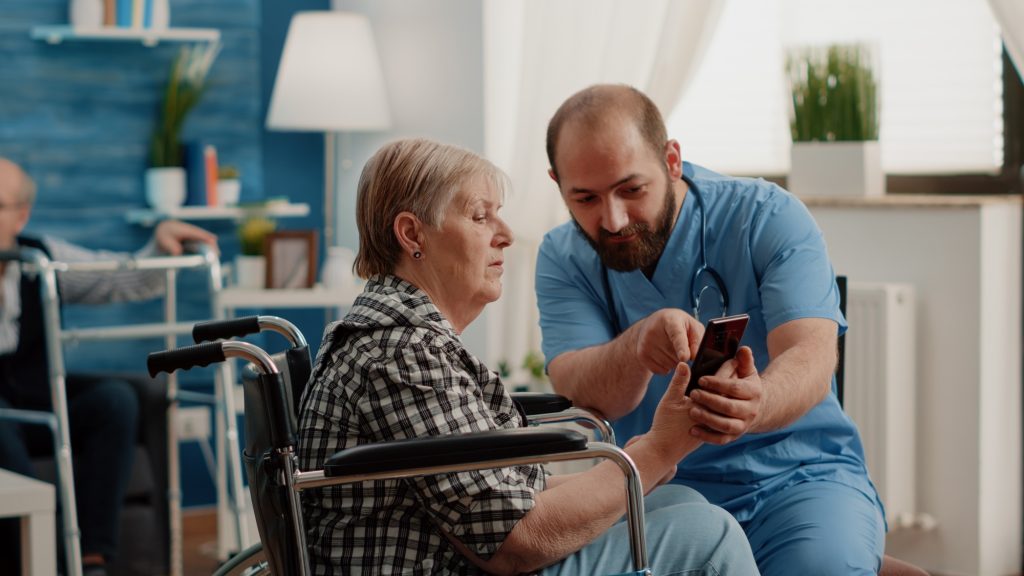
195,173
138,11
210,158
130,13
124,13
110,12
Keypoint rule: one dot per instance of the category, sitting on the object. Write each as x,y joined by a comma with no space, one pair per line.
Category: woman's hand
670,430
671,469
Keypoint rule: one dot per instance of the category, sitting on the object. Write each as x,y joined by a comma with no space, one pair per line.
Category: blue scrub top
773,261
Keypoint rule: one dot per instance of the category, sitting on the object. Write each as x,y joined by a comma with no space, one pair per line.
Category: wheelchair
272,386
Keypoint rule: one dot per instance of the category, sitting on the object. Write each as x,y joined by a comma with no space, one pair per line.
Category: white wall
432,56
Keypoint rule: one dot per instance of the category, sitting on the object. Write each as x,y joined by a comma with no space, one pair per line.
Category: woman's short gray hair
412,175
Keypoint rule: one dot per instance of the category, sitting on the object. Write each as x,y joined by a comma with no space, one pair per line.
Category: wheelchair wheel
248,562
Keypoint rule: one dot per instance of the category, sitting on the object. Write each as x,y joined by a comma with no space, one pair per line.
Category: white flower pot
836,169
165,188
86,14
250,271
228,192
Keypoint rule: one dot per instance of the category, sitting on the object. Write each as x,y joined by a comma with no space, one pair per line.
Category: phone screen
720,343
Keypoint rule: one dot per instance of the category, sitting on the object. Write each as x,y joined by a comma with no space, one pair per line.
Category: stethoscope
697,287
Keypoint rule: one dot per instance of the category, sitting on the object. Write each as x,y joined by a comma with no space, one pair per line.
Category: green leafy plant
504,370
227,172
534,363
185,87
834,94
252,232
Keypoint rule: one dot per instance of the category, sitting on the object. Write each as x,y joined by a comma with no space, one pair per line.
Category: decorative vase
337,270
165,188
85,13
250,271
849,169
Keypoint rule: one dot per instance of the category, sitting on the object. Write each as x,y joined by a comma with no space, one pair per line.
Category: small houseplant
533,367
229,187
834,122
250,264
186,83
533,363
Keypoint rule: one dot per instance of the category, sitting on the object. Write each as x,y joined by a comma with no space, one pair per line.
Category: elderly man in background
103,413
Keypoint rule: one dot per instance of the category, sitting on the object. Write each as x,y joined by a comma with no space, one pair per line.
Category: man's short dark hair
595,102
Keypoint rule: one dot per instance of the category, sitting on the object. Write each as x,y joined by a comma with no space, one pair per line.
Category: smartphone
720,343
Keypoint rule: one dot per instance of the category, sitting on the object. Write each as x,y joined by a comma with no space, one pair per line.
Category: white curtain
539,52
1010,15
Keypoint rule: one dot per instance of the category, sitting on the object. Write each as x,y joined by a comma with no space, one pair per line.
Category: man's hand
666,338
728,404
171,234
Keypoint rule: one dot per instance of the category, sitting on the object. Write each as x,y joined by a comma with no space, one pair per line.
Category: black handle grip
184,358
7,255
216,329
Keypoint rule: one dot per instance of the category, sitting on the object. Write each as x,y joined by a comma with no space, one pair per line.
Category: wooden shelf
147,36
148,217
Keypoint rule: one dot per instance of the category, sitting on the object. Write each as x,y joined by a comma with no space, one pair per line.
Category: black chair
890,566
275,483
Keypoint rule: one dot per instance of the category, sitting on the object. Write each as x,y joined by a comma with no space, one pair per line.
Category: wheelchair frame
274,393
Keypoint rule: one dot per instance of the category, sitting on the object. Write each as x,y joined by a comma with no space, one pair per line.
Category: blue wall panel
78,117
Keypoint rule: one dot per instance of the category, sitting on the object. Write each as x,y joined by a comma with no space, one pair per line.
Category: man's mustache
634,228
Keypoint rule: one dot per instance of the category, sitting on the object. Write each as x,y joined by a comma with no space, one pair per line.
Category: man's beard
643,251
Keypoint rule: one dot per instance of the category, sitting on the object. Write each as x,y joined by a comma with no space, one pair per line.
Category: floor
199,542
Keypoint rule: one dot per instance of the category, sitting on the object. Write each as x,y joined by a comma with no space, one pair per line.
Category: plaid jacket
394,368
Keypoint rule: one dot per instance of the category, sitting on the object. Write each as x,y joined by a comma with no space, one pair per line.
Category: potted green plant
250,264
165,177
834,122
229,187
530,377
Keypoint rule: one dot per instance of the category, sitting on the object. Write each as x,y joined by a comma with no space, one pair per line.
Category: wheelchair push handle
184,358
210,353
225,329
234,328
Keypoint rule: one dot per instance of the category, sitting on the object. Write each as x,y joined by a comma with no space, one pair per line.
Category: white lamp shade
329,78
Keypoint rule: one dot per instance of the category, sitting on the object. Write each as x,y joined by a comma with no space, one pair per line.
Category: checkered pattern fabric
394,368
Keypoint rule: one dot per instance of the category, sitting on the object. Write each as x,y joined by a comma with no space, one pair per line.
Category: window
950,99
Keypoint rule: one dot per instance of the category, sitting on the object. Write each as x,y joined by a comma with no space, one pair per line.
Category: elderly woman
431,245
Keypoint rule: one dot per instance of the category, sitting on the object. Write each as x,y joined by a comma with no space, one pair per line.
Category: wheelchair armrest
453,450
540,403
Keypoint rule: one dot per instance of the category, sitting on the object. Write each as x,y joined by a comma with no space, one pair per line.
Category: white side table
32,501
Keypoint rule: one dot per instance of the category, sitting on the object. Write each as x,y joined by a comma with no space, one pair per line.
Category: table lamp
329,80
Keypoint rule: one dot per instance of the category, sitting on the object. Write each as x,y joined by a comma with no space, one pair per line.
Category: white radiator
880,390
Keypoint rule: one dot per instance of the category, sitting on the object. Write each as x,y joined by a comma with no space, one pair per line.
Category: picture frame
291,259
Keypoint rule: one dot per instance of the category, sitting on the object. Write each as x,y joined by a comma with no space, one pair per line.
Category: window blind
938,63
